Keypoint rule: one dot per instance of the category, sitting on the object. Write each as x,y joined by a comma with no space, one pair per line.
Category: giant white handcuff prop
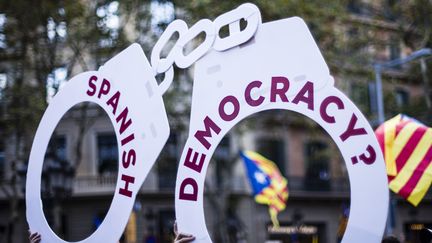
275,65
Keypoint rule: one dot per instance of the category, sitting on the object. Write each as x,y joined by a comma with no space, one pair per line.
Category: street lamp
56,185
379,67
422,53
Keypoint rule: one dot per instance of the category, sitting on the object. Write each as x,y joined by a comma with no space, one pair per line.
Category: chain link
247,11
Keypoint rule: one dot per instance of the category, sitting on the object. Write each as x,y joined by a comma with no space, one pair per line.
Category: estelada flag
269,186
407,148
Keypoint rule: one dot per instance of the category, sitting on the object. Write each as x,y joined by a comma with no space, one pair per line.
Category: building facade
319,190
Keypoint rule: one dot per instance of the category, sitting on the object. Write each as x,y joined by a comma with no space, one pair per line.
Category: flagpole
378,67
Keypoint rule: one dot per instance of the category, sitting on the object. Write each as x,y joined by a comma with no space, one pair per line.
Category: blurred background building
44,43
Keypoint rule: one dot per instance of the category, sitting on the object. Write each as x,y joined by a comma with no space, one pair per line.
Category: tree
29,54
37,40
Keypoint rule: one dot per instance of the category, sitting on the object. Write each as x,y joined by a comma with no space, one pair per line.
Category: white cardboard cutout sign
126,89
281,68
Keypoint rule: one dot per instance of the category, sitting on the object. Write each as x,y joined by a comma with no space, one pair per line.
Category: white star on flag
260,177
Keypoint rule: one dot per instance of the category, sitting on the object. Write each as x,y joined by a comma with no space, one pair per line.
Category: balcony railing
317,185
9,190
303,186
107,183
94,184
298,187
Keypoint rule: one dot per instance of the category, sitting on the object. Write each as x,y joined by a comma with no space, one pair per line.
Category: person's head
390,239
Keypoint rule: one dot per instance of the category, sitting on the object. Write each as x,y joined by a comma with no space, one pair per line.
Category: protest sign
127,91
280,68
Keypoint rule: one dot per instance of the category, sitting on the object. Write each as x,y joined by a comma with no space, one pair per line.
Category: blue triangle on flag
258,178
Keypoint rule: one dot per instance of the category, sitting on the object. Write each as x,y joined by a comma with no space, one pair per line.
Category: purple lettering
248,96
105,88
113,101
372,155
127,139
192,196
92,86
128,158
236,105
123,116
274,90
324,105
209,126
192,164
351,130
125,191
306,95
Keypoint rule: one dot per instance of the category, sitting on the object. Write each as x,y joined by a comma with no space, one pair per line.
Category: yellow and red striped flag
407,147
269,186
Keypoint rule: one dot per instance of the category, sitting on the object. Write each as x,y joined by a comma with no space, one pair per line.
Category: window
395,51
166,222
2,31
389,9
354,6
359,7
3,83
402,97
222,158
2,160
167,163
317,166
360,92
222,152
373,101
107,154
273,149
57,146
